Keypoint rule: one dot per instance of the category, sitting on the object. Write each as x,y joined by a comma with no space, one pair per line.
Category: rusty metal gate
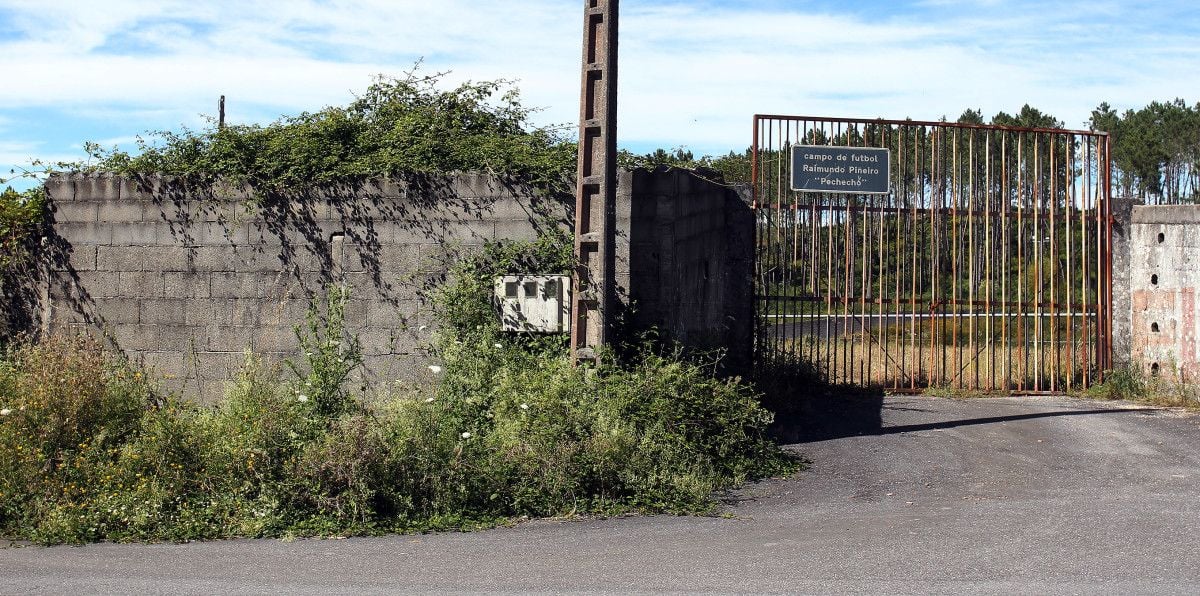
985,263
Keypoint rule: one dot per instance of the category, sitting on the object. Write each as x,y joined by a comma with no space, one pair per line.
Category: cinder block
515,229
140,284
185,285
276,339
70,211
219,365
212,258
207,312
231,285
117,310
85,233
380,341
83,258
162,312
168,365
249,312
97,187
211,391
478,184
229,338
131,337
99,284
385,187
410,232
168,258
257,260
466,231
228,192
286,312
363,285
121,258
60,188
120,211
136,188
281,285
137,234
402,258
440,258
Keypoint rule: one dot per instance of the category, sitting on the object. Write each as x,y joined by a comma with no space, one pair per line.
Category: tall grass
510,429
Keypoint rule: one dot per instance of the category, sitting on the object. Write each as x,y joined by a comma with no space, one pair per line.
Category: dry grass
921,365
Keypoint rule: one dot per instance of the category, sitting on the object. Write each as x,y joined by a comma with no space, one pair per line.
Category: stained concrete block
279,338
162,312
168,259
98,284
120,211
140,284
137,233
118,310
70,211
97,187
85,233
121,258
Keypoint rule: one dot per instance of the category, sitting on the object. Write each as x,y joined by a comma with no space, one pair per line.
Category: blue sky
692,73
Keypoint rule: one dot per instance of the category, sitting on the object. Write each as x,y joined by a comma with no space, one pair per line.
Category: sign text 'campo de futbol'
858,170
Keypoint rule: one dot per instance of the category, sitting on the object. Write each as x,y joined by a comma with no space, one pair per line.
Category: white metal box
534,303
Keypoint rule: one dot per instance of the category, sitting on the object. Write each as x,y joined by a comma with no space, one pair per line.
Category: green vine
21,218
399,125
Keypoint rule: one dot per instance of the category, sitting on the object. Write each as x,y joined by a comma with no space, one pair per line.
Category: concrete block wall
1163,278
686,260
186,279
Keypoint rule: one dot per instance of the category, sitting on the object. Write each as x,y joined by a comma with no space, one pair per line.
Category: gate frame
1104,308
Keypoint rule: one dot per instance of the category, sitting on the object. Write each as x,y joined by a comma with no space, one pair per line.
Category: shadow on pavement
908,428
807,409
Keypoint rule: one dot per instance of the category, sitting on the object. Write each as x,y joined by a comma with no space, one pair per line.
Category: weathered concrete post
596,186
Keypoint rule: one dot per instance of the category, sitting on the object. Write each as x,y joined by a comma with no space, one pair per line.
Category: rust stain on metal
987,266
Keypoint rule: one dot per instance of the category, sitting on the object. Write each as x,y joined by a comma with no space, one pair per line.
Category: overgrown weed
1133,383
510,430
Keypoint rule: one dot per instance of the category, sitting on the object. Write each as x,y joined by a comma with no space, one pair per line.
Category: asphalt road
905,495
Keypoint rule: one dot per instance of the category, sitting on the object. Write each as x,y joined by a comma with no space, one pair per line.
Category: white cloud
690,73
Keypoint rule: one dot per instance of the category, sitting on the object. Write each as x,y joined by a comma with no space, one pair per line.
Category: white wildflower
429,400
498,345
466,435
435,368
524,406
5,412
303,398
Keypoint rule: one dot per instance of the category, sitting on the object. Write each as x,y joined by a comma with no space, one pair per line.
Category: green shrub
21,216
66,410
398,125
510,429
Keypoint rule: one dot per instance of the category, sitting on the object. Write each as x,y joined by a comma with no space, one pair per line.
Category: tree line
1155,149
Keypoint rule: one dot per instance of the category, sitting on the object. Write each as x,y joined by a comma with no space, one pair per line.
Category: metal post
221,112
596,185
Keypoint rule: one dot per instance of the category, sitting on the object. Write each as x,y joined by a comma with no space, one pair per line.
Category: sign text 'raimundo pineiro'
858,170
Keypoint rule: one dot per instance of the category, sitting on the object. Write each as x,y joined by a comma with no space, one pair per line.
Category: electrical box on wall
534,303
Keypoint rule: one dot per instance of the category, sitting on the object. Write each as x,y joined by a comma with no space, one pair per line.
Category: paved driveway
1011,495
